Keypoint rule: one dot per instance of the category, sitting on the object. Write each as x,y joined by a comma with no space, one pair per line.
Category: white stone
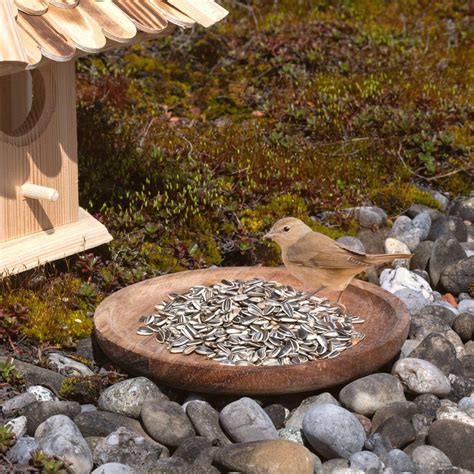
41,393
466,306
392,245
114,468
18,426
454,413
66,366
393,280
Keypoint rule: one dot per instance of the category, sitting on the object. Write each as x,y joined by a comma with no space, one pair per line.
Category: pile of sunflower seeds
253,322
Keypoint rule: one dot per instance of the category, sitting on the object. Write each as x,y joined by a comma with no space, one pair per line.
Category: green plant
10,374
48,464
7,438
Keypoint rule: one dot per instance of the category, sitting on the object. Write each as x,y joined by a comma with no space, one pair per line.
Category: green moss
81,389
7,439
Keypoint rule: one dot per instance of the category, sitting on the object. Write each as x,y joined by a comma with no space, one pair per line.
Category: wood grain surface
116,321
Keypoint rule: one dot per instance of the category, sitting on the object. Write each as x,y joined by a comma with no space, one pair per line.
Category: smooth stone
17,426
427,404
13,406
295,419
391,246
88,407
445,311
291,434
446,251
365,461
423,222
460,387
244,421
469,249
195,450
367,394
192,398
401,278
464,326
127,397
59,436
448,225
114,468
20,453
92,441
127,447
102,423
408,347
416,209
464,296
277,414
457,277
351,242
397,430
42,394
38,412
414,300
373,241
442,200
403,408
378,444
166,422
334,466
466,306
411,238
466,404
420,376
454,413
469,348
206,422
172,466
435,348
421,255
401,225
464,208
365,422
455,440
423,274
423,324
398,461
67,366
421,424
333,431
270,456
429,459
34,375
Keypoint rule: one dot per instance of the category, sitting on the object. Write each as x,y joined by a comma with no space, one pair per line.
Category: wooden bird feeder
40,217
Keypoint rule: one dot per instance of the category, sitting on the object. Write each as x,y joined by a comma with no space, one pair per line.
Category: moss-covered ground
192,145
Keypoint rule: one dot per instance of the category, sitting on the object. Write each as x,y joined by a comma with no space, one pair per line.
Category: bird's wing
318,251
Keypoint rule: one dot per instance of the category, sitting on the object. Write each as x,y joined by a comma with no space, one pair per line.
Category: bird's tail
386,258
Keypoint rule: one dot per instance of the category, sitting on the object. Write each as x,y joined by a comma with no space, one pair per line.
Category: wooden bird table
116,321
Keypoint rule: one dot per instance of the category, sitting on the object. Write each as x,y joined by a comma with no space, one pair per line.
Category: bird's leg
338,303
309,295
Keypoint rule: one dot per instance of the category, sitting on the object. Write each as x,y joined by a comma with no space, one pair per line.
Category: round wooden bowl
116,321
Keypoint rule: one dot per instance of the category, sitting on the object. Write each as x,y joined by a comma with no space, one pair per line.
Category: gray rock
435,348
295,419
457,277
424,323
464,326
351,242
294,435
446,251
423,222
466,306
195,450
67,366
13,406
206,422
38,412
22,450
397,430
455,440
423,274
401,278
269,456
127,447
378,444
365,461
442,199
59,436
335,466
464,209
333,431
414,300
416,209
448,412
421,424
244,420
166,422
463,296
446,312
127,397
420,376
401,225
404,408
429,459
460,387
467,366
469,347
448,225
88,407
421,255
368,216
42,394
398,461
411,238
392,245
466,404
408,347
17,426
367,394
427,404
191,398
114,468
277,414
468,248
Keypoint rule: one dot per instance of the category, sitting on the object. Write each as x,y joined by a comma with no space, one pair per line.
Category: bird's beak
269,236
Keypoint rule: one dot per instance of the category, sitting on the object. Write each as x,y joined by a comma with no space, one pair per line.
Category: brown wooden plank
52,44
32,49
12,53
79,28
32,7
114,22
143,15
116,320
205,12
172,14
64,3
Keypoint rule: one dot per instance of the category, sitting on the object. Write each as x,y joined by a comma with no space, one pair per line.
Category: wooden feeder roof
35,31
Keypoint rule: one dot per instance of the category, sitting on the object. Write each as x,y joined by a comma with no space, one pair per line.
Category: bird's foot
341,306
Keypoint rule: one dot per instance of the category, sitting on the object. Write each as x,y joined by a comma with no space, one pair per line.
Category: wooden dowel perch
34,191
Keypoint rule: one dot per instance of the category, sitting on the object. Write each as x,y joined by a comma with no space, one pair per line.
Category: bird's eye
286,228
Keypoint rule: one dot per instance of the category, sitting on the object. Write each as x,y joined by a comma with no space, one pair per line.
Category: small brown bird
319,261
